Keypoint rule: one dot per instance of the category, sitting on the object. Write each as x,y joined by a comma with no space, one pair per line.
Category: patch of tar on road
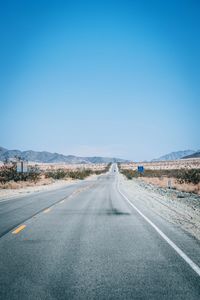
112,210
116,212
95,212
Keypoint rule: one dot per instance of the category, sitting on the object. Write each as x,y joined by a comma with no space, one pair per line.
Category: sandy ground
180,208
165,182
193,163
56,166
23,191
42,185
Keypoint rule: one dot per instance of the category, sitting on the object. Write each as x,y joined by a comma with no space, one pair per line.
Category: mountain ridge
49,157
194,155
175,155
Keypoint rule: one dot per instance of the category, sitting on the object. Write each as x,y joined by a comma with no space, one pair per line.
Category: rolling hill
175,155
48,157
194,155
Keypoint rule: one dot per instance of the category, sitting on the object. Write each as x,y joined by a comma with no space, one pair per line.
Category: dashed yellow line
20,228
47,210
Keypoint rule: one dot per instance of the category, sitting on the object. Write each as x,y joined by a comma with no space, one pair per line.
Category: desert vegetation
165,165
74,174
64,174
182,175
10,178
183,179
8,172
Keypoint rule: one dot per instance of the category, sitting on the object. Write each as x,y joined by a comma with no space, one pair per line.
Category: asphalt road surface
91,241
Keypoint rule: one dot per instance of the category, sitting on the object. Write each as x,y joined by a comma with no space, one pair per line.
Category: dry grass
184,175
22,184
50,167
164,183
165,165
47,174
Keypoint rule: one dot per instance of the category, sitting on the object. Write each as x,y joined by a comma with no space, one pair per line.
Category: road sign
22,167
140,169
169,183
19,167
25,167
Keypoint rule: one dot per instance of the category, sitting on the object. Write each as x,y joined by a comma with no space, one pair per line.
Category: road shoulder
182,209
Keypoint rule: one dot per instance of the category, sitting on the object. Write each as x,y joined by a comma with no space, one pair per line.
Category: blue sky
110,78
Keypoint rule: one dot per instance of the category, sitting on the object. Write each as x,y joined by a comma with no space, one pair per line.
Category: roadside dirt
178,207
165,182
22,190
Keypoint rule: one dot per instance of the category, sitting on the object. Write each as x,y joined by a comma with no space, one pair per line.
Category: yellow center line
20,228
47,210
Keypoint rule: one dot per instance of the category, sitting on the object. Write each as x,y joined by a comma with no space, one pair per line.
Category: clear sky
109,78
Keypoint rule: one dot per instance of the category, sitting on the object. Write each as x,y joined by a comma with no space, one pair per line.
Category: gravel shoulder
180,208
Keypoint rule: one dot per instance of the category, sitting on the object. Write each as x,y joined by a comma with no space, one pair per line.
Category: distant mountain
175,155
48,157
194,155
98,159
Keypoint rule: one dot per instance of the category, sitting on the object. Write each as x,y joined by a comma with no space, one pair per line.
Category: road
92,241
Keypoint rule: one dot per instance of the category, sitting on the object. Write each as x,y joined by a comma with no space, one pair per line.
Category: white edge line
174,246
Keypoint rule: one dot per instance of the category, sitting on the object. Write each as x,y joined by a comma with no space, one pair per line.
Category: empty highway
91,240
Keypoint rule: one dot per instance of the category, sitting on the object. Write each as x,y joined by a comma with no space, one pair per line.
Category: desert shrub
33,174
8,172
74,174
56,174
182,176
129,173
102,171
79,174
107,167
98,172
189,176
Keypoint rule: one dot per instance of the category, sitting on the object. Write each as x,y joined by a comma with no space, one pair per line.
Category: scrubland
183,175
42,176
170,189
